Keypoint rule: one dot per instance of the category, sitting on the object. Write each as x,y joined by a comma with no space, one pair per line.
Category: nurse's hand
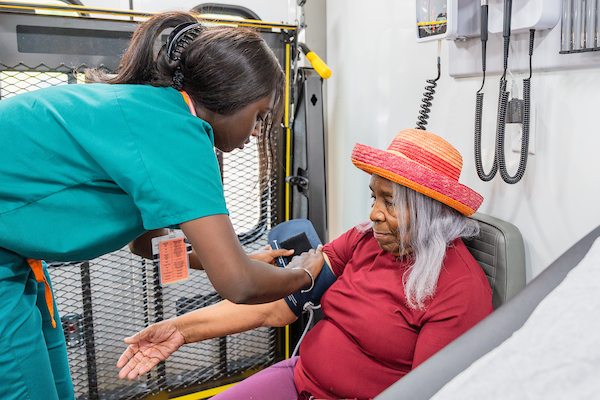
268,255
149,347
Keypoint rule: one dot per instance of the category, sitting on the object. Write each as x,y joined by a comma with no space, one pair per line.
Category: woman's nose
376,213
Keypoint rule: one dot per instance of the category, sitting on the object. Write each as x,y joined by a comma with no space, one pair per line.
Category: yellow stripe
432,23
131,13
205,393
287,341
286,123
287,163
76,8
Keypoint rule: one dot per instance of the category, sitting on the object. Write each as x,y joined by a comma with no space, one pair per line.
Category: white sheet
555,354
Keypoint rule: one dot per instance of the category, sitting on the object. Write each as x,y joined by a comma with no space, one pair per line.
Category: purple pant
275,382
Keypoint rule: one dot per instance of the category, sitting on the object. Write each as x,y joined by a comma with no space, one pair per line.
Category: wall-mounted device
447,19
436,19
540,15
514,111
526,15
579,30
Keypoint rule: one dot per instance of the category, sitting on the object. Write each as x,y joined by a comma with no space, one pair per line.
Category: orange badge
173,261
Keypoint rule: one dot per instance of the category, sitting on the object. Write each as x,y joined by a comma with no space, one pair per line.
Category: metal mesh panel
14,82
116,295
101,302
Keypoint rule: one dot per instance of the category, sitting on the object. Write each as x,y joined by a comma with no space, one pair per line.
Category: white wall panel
379,73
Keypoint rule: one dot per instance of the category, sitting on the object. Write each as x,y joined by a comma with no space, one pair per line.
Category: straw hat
424,162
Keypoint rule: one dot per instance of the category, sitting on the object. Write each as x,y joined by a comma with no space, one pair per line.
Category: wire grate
114,296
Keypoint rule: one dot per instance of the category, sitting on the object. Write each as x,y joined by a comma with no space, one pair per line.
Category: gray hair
432,227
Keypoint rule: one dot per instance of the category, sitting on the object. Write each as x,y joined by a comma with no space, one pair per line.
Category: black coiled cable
525,134
479,104
499,163
524,142
500,125
430,91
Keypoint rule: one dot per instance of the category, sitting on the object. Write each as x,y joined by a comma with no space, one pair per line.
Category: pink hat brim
413,175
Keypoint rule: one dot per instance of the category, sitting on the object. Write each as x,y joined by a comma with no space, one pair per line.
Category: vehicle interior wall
379,74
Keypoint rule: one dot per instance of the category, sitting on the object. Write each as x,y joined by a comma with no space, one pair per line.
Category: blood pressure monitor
436,19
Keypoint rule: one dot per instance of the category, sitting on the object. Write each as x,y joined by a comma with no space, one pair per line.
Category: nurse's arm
142,246
235,276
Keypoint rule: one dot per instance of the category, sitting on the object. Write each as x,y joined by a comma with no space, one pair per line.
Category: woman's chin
389,247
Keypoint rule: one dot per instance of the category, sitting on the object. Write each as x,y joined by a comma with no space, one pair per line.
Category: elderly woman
406,287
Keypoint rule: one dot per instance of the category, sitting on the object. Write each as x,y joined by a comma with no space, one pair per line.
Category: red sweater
369,338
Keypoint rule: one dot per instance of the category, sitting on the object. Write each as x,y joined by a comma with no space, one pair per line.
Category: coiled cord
499,163
430,91
479,105
500,125
478,162
506,48
524,142
526,123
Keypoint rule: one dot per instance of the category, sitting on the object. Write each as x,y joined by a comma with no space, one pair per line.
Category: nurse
88,168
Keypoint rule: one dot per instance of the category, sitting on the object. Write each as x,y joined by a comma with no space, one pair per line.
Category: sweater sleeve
341,249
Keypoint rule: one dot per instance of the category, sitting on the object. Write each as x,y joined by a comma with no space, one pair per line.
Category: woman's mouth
379,235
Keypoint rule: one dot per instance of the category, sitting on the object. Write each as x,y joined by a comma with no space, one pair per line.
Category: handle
507,17
316,62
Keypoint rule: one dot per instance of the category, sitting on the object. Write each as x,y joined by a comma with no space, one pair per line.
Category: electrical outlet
516,132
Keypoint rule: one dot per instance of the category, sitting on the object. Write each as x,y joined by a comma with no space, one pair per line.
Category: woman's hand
268,255
149,347
312,260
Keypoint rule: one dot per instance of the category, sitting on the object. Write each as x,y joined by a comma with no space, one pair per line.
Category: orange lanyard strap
188,100
38,271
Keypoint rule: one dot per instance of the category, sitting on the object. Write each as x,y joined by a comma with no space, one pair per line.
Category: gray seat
428,378
500,251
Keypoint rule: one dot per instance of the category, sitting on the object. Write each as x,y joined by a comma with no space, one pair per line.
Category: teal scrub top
87,168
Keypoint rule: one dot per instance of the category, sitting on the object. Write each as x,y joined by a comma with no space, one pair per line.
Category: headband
180,37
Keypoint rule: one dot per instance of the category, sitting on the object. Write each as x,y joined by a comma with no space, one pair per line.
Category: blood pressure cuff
300,235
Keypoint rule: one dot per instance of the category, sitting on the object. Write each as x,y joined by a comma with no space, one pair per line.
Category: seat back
500,251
